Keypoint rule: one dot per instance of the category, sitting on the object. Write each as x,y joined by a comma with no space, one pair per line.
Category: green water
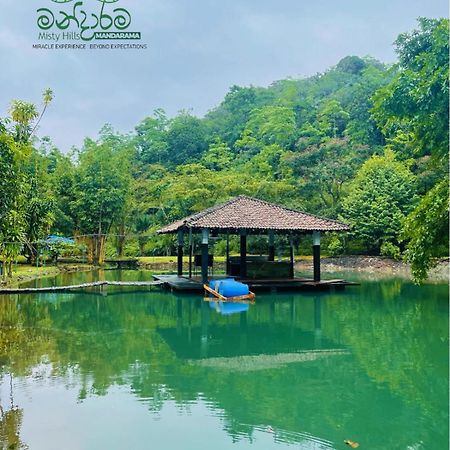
140,370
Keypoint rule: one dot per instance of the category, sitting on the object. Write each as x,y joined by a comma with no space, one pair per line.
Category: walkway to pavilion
245,216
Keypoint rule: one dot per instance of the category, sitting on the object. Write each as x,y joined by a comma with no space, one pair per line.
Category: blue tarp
59,240
228,287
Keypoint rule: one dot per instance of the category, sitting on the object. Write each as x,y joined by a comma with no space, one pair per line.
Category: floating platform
185,284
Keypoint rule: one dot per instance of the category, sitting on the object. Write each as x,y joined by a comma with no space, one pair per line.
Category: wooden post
243,252
191,249
180,252
205,239
228,255
271,245
316,255
291,252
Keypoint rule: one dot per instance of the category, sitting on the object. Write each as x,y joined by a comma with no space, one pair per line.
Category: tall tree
273,125
151,138
15,149
186,138
325,170
40,203
413,110
380,198
218,157
426,229
102,182
416,101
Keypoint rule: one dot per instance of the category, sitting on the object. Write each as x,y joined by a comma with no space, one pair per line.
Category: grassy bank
26,272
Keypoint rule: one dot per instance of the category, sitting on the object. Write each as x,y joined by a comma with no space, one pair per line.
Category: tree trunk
101,250
120,241
9,268
120,245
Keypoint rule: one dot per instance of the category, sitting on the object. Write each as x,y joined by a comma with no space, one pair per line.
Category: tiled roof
253,214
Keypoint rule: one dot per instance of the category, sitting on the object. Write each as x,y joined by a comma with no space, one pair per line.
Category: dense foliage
362,142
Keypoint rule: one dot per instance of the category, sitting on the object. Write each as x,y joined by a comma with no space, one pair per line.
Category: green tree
273,125
63,187
151,138
40,203
23,114
325,171
218,156
247,145
228,120
426,230
416,101
102,182
362,127
351,64
16,215
380,198
186,139
267,163
413,112
10,181
332,119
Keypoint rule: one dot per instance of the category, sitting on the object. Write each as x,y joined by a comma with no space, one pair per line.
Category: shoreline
375,266
366,266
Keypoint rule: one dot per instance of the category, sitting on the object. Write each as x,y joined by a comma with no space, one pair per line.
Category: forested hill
292,114
362,142
298,142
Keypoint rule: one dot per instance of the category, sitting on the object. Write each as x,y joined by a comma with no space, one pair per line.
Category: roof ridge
293,210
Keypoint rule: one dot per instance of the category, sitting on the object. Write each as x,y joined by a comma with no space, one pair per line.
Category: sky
196,50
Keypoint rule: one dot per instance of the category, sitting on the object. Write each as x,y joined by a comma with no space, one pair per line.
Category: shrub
391,250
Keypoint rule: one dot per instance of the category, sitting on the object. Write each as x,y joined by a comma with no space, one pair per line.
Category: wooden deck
185,284
180,283
194,284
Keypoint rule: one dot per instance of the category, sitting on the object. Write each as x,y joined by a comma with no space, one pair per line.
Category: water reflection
369,364
228,308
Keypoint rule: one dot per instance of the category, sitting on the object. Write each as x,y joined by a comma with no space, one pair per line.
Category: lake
139,369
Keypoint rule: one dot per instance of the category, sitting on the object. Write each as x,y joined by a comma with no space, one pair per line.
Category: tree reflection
388,369
10,423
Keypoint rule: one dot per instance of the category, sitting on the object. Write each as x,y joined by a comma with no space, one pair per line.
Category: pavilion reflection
220,335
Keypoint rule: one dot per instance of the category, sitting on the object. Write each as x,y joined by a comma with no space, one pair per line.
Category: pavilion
246,216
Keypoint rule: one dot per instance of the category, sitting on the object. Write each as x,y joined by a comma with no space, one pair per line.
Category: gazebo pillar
291,254
180,252
316,255
243,252
191,249
271,245
205,239
228,270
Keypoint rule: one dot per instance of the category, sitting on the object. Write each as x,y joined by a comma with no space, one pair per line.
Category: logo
71,20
